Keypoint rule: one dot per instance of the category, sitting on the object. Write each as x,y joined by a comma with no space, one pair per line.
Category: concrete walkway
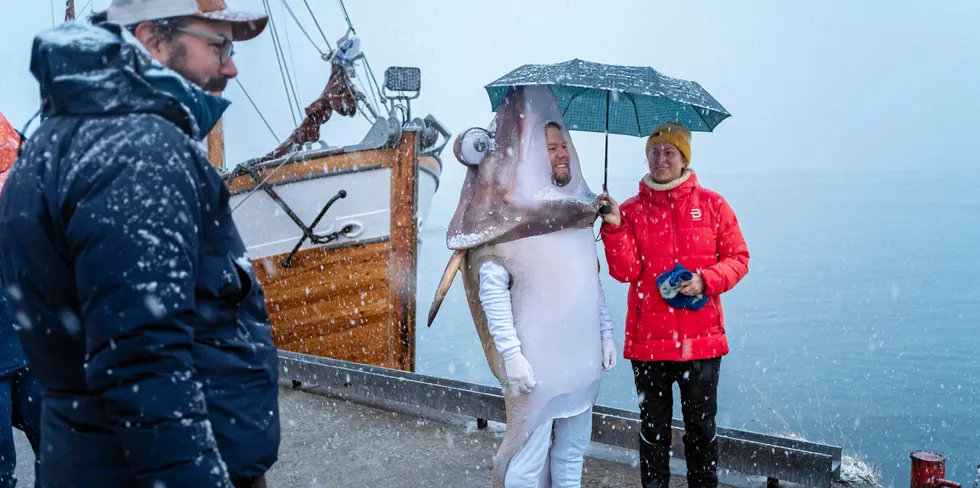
328,442
332,443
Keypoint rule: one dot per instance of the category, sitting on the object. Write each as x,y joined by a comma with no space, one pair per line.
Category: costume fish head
509,191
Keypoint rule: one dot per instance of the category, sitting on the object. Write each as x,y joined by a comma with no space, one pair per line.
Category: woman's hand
611,218
692,287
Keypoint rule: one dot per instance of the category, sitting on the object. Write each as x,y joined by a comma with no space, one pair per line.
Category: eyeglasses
225,50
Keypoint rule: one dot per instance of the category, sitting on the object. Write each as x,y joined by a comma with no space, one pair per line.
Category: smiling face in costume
558,154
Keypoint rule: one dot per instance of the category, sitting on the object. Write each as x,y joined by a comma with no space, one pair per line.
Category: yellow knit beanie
674,133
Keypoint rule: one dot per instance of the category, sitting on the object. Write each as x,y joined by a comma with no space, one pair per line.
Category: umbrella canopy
639,98
627,100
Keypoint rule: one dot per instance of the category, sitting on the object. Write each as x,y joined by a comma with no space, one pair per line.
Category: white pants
566,451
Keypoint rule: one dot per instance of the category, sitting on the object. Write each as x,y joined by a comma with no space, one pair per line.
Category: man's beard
562,178
178,62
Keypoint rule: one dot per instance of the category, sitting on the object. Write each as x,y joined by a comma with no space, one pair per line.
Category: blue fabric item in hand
670,281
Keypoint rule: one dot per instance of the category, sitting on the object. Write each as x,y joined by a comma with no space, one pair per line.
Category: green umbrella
627,100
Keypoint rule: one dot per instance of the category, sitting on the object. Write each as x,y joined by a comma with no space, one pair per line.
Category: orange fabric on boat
9,143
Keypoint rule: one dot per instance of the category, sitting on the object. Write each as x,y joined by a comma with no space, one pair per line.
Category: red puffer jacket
689,225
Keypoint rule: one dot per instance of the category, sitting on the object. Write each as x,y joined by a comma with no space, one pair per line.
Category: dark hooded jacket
140,311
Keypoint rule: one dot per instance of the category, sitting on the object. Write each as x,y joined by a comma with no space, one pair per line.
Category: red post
929,471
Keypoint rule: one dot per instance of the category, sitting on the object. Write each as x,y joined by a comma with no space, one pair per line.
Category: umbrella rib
706,124
563,112
636,113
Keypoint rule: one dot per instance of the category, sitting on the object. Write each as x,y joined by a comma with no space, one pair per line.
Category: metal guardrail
748,453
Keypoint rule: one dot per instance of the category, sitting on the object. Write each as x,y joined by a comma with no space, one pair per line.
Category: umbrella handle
605,209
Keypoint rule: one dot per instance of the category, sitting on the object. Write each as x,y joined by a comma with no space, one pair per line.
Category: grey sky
812,86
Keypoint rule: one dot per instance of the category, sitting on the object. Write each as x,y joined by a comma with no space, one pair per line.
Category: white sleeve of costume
605,320
495,297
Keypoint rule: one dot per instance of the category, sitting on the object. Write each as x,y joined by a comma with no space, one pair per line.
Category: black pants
698,382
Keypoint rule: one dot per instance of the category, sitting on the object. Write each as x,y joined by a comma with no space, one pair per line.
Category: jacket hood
86,69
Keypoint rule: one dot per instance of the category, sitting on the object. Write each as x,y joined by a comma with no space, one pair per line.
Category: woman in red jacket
674,221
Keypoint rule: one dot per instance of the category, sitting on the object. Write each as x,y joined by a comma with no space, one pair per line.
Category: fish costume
526,248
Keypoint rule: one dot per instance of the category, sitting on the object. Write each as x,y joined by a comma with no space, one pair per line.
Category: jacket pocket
233,281
710,318
246,276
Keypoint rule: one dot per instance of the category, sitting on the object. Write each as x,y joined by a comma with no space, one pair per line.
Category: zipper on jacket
673,233
673,223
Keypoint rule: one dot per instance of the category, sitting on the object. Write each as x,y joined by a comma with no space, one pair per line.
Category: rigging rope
281,60
292,60
380,94
378,98
82,11
293,15
289,74
318,25
363,100
365,112
289,157
256,107
346,17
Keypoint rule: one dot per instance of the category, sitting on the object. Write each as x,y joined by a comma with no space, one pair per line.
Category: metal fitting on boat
352,229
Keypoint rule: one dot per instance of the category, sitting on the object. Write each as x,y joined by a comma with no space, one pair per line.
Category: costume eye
473,145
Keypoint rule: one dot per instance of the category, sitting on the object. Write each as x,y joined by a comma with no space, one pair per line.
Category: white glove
608,354
520,378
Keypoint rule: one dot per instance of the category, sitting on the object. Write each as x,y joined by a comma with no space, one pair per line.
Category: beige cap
245,25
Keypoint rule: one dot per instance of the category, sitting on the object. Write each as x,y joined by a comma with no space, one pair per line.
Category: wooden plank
403,262
361,344
331,302
305,168
216,144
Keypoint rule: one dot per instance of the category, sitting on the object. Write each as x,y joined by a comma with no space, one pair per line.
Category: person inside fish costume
523,238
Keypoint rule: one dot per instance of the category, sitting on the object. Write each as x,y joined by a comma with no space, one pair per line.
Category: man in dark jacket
140,311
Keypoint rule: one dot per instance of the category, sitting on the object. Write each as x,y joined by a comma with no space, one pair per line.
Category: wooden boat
334,237
333,232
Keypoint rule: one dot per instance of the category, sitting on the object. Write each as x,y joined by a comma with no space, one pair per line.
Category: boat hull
352,298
